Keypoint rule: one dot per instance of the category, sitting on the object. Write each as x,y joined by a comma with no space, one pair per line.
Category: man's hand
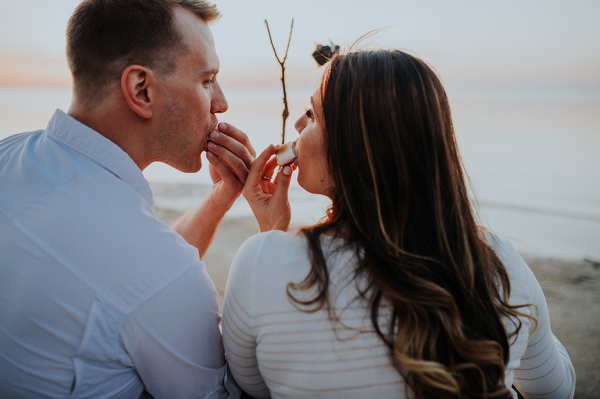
230,155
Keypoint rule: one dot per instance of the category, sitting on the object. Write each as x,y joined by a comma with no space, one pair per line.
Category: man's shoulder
13,147
28,170
101,230
17,140
83,216
135,247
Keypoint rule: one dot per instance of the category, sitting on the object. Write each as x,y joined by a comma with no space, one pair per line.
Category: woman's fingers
256,170
292,166
268,200
269,168
282,181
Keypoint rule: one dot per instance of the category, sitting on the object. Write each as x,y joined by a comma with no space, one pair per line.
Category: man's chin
190,168
195,169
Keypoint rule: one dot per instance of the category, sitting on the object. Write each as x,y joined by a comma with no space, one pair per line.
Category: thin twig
286,112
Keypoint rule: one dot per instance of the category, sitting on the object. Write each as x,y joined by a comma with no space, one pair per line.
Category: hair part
403,206
104,37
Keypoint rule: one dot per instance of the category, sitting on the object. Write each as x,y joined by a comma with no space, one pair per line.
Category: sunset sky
523,78
534,43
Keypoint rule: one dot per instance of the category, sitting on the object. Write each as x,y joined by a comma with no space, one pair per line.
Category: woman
398,292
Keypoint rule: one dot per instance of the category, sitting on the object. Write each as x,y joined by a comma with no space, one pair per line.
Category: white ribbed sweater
275,350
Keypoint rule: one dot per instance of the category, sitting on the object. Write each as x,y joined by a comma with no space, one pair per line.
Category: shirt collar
88,142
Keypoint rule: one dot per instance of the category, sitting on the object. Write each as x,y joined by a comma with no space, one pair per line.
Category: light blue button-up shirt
98,298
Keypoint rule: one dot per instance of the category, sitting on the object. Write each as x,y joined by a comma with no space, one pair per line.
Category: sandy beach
572,287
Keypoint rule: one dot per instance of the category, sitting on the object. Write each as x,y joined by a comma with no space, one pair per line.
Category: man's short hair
104,37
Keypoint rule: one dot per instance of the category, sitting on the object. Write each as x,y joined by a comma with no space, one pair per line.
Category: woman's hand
269,199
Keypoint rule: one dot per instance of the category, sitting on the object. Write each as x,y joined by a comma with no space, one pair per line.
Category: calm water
533,157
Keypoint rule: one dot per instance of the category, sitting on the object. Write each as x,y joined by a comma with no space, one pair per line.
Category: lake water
533,156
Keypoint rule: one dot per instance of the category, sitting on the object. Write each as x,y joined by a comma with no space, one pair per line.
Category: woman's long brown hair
401,201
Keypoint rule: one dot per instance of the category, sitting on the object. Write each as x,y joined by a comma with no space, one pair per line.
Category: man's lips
215,128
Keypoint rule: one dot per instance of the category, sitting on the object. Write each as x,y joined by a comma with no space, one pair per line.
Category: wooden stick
286,111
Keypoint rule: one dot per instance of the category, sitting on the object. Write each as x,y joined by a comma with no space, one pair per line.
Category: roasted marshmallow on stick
285,153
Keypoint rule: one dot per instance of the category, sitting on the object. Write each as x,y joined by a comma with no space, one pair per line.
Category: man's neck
110,122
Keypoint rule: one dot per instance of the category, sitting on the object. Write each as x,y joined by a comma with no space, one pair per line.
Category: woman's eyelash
309,113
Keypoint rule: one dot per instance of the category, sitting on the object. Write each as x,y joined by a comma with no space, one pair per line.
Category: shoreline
535,230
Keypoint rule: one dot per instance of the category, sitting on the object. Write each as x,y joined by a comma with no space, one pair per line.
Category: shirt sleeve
174,341
239,335
545,369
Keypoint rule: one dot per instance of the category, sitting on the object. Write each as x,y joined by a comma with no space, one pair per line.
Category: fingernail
211,145
287,170
214,135
222,126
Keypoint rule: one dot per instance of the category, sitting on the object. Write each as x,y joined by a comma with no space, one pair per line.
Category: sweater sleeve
239,337
545,369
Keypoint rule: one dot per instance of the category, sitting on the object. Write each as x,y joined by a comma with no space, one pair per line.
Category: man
98,298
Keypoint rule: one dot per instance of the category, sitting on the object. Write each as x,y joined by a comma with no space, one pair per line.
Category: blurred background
523,79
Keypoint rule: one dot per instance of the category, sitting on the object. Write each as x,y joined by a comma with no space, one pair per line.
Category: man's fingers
231,146
238,136
234,163
223,170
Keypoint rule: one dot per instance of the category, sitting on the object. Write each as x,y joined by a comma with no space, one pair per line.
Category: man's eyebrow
312,103
212,71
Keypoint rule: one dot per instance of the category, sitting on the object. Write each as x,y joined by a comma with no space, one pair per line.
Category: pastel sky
532,43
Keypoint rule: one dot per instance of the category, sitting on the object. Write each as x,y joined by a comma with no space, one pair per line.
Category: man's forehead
193,30
198,40
208,59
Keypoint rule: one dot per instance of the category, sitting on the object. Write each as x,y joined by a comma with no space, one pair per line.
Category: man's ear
137,88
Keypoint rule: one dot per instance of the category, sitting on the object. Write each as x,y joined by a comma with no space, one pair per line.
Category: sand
572,289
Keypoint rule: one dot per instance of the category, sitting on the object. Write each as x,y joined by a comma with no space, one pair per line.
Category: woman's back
307,354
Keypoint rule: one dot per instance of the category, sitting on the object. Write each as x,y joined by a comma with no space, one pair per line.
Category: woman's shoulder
286,247
262,268
272,242
270,253
522,280
505,250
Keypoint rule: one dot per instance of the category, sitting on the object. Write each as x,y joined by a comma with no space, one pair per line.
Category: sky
515,43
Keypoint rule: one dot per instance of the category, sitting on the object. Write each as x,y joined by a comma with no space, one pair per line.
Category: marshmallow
285,153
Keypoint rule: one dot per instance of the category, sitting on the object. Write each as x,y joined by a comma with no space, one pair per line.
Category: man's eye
309,113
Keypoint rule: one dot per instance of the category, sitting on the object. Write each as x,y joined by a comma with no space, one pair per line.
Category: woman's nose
300,124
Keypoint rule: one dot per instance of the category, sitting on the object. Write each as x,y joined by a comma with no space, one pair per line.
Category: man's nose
219,102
